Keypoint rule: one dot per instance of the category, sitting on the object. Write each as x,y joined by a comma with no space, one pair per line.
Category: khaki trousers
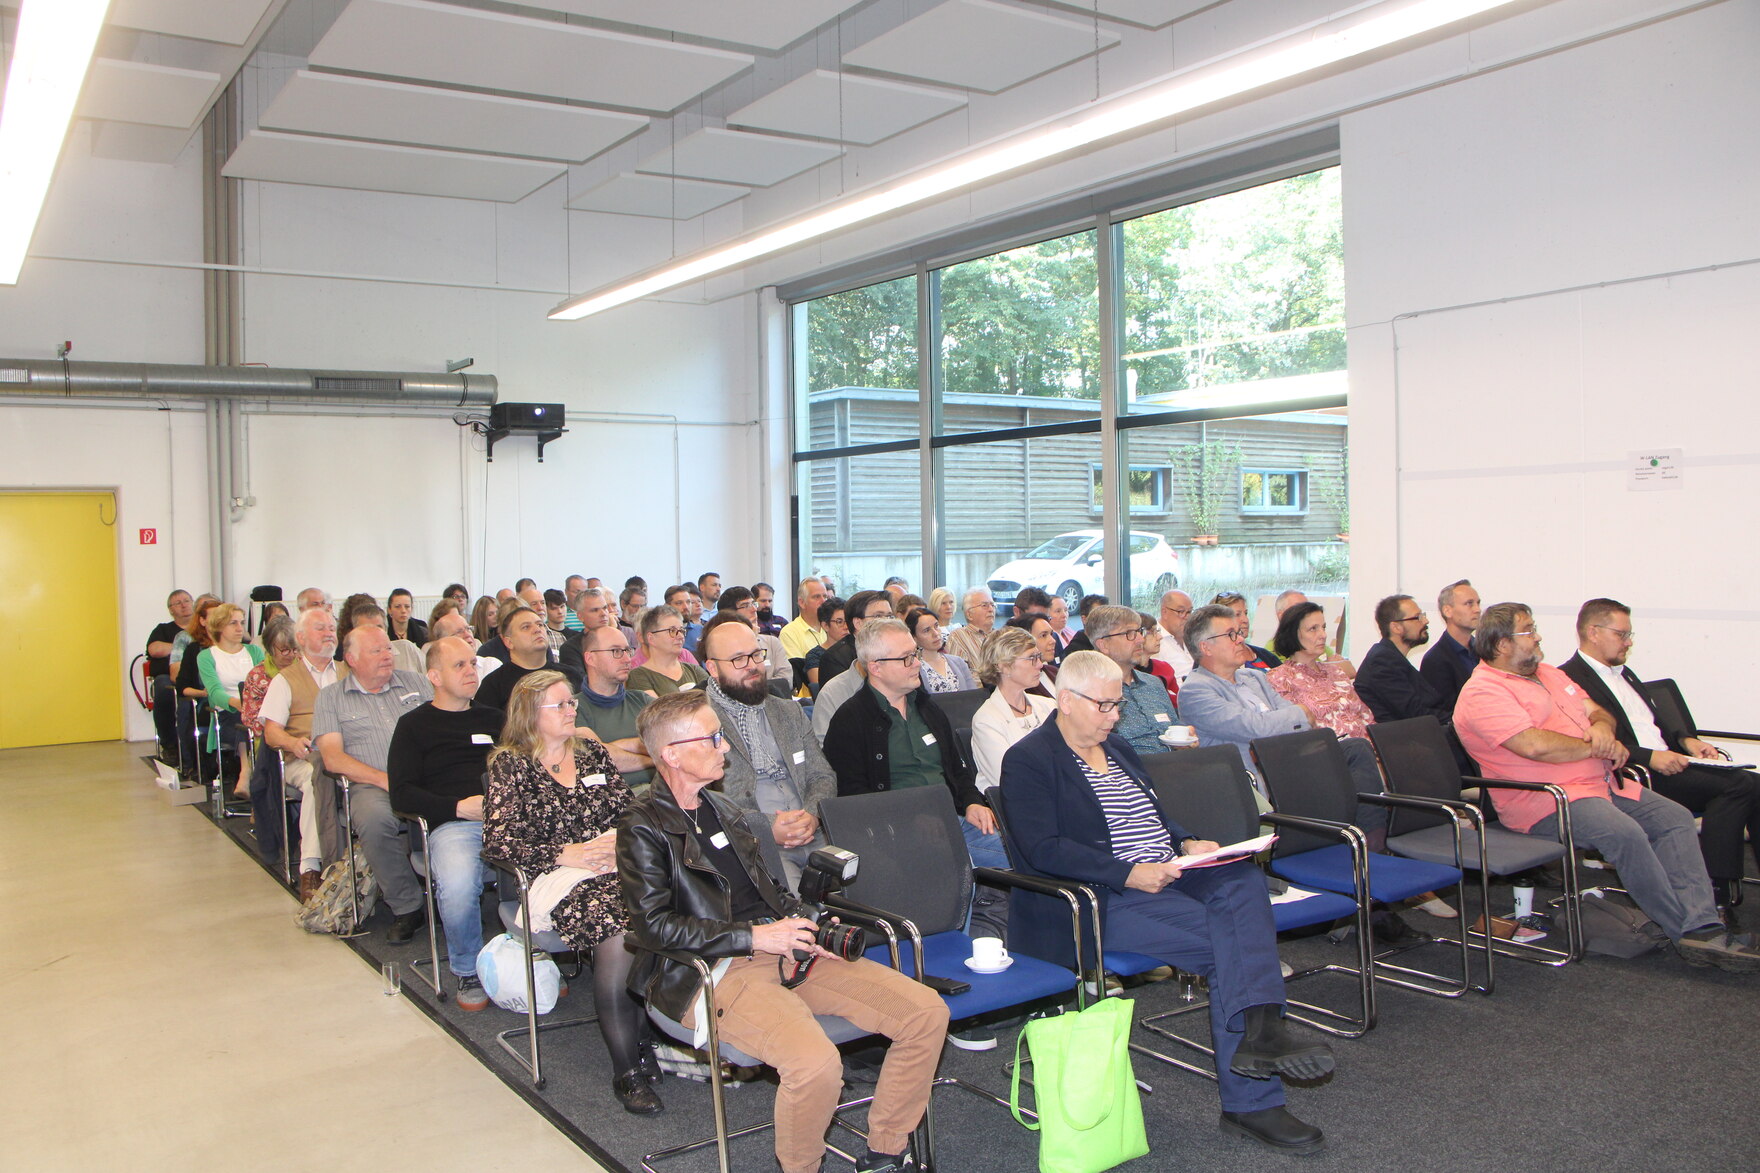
760,1017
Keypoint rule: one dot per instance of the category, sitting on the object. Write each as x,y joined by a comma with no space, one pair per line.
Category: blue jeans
1215,922
459,877
989,913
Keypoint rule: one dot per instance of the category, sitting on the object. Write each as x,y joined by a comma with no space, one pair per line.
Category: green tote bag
1090,1118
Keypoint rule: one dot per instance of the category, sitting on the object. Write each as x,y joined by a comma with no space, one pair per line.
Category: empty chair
961,706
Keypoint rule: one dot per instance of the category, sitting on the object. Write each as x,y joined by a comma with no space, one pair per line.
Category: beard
1423,638
1525,663
746,694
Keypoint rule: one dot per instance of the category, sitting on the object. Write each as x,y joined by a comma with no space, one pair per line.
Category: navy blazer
1054,817
1590,681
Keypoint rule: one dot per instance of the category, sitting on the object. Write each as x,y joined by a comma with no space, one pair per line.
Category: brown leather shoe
308,886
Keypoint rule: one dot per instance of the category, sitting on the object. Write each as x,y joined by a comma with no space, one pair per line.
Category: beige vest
304,688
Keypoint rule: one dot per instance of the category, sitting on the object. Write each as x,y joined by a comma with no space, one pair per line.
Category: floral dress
1325,691
528,816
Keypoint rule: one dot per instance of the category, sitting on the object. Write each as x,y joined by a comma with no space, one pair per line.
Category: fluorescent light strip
1228,77
49,63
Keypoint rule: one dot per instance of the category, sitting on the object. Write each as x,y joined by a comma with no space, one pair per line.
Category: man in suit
1451,660
775,771
1388,683
1727,801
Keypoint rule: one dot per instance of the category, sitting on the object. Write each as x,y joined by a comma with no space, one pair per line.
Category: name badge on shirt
482,739
800,756
928,739
718,840
593,780
1570,690
1163,718
687,684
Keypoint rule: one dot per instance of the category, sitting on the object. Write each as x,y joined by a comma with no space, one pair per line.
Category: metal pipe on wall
105,380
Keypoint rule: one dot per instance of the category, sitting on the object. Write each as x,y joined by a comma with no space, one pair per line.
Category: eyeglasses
1178,610
1239,637
1410,618
714,739
622,653
1103,706
570,703
1127,633
1032,658
908,659
1533,631
744,659
1624,637
667,631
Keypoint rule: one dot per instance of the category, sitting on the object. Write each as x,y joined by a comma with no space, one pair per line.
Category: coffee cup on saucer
1179,735
989,955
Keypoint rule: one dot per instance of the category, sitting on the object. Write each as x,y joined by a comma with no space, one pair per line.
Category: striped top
1137,832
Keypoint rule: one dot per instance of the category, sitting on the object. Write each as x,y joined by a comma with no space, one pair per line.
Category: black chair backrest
1207,791
1416,760
961,706
1307,776
1671,706
914,861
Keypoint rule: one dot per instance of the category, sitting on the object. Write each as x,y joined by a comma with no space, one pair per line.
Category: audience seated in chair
1117,634
967,641
287,728
661,663
608,709
351,727
1451,659
435,767
526,637
1081,807
803,633
1012,665
940,671
669,845
1526,720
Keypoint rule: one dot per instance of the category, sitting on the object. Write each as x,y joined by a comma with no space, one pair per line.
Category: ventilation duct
121,380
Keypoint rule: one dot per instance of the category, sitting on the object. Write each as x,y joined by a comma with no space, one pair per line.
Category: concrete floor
159,1010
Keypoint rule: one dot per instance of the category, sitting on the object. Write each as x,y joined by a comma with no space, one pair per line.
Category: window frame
1299,484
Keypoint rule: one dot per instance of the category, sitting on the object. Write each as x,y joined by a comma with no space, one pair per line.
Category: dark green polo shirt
911,752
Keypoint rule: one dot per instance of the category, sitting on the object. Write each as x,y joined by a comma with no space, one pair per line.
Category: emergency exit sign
149,537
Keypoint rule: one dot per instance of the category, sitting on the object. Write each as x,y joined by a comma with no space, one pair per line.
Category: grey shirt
1234,712
804,780
366,719
842,686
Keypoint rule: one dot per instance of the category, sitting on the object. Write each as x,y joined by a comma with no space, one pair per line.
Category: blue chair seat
1506,852
944,955
1320,908
1390,877
1124,964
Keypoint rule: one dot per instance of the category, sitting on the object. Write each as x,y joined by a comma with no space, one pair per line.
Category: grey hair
1280,604
302,623
662,720
1198,625
1081,672
1497,624
1446,597
1002,648
965,600
1103,620
873,631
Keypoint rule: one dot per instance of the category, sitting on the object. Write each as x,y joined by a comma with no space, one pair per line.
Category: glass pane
1237,300
861,522
858,365
1023,513
1240,483
1020,344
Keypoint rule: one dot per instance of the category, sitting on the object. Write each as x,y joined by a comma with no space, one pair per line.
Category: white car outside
1073,565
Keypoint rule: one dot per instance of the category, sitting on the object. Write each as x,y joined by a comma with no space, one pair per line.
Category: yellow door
60,666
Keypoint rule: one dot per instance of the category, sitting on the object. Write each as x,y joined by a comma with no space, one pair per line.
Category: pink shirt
1495,706
1325,691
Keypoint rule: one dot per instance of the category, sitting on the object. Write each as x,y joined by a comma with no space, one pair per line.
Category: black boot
1275,1128
1270,1050
636,1094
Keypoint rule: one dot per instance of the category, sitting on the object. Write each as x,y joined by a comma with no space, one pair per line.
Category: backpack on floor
330,910
1618,930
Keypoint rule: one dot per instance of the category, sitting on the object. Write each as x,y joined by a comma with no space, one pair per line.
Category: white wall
1516,332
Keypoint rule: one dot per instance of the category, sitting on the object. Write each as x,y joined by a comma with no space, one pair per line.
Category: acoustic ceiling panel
328,162
653,195
762,24
847,107
1148,13
979,45
494,51
227,21
732,156
155,95
392,112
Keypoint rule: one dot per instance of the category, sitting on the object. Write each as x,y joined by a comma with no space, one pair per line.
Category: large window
1230,423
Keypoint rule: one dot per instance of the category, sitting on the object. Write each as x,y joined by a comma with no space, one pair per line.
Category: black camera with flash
828,870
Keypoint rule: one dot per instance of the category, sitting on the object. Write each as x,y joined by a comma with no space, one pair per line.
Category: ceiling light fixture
49,63
1330,41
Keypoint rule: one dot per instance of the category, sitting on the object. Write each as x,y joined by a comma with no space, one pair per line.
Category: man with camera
694,881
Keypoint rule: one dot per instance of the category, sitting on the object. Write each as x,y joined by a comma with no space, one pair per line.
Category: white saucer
1178,742
982,969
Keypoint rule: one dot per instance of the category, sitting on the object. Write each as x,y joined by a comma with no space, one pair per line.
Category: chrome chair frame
422,865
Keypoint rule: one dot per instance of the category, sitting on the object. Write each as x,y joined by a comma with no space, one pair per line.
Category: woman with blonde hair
483,619
551,807
942,604
1012,664
223,666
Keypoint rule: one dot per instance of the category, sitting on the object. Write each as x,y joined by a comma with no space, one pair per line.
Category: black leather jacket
678,901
